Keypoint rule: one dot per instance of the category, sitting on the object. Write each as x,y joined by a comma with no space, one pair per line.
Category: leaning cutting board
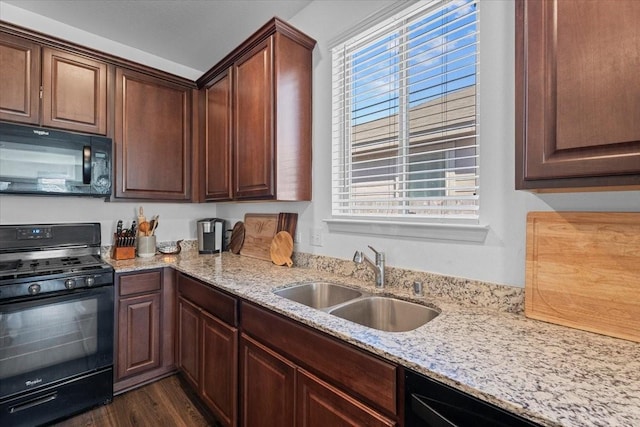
583,271
259,230
281,249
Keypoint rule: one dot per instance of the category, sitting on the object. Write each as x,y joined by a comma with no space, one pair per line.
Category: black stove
39,259
56,322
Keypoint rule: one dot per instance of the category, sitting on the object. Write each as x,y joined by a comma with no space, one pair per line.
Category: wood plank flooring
163,403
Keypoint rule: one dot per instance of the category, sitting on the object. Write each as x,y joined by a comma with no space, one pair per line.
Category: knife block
123,252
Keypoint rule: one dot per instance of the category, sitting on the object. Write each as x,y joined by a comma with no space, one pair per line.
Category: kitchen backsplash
464,291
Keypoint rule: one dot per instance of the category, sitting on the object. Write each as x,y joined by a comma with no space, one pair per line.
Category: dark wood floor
163,403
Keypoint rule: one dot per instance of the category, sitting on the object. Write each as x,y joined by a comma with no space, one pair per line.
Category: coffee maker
211,235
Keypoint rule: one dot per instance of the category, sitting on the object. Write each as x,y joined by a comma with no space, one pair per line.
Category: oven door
49,339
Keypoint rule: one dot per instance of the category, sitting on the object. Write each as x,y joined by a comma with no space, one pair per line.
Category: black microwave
36,160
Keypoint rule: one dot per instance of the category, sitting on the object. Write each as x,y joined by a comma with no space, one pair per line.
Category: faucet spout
378,266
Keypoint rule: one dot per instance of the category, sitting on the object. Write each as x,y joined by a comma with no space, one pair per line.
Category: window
405,143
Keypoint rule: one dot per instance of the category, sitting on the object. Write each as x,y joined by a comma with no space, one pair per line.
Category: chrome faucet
378,267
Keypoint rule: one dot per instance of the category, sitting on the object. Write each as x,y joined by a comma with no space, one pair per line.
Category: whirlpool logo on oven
33,382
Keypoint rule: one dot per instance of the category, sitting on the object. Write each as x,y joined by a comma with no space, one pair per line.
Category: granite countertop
553,375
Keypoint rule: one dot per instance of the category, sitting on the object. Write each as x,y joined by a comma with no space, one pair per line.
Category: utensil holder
146,246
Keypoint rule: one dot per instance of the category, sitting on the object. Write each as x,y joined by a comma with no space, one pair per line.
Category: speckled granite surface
550,374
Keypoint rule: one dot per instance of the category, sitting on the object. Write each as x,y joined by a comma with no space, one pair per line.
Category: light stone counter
551,374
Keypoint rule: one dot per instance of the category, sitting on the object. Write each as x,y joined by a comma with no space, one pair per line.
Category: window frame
421,227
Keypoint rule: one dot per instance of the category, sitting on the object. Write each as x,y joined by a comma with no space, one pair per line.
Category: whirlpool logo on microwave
41,132
33,382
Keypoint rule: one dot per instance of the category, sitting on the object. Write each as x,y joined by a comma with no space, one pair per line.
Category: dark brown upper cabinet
217,138
577,95
256,136
51,87
152,137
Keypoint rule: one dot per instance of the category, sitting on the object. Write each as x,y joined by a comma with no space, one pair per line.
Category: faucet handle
379,255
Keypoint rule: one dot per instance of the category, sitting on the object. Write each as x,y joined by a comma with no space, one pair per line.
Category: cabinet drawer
217,303
364,375
150,281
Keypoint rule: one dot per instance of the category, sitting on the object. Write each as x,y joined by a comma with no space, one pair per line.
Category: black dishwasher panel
429,403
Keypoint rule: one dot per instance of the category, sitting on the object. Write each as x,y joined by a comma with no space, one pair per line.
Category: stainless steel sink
319,294
385,313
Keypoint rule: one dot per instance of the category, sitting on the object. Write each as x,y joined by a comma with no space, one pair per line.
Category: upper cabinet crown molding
76,49
577,95
274,25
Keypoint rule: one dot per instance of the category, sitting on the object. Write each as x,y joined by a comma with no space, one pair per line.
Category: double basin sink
377,312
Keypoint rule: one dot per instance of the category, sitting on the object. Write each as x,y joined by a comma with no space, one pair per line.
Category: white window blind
405,124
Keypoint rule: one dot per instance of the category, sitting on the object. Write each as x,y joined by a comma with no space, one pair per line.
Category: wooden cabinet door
577,94
253,148
188,343
138,335
320,404
74,92
217,137
267,387
152,138
219,369
20,81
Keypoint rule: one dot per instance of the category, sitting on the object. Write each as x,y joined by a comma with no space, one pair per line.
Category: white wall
499,259
176,220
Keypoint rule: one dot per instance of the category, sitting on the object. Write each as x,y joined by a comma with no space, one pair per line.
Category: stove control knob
90,281
69,283
34,289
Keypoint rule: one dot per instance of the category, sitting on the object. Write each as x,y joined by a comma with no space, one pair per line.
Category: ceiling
193,33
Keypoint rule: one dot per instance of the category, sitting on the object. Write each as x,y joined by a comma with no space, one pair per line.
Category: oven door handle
427,413
86,164
35,402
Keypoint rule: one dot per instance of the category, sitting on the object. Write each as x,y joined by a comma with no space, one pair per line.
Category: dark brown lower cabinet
207,346
145,313
219,367
188,342
292,375
319,404
268,386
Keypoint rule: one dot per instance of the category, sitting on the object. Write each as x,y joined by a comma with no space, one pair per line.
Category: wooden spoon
143,227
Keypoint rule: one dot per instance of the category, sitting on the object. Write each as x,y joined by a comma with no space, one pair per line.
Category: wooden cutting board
583,271
237,237
259,230
281,249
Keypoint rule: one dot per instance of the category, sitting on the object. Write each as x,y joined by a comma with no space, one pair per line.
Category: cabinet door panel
219,367
74,92
139,334
253,114
20,82
152,138
188,343
319,405
268,386
218,139
577,100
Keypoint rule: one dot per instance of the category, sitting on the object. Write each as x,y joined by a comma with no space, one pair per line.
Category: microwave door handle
427,413
86,164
